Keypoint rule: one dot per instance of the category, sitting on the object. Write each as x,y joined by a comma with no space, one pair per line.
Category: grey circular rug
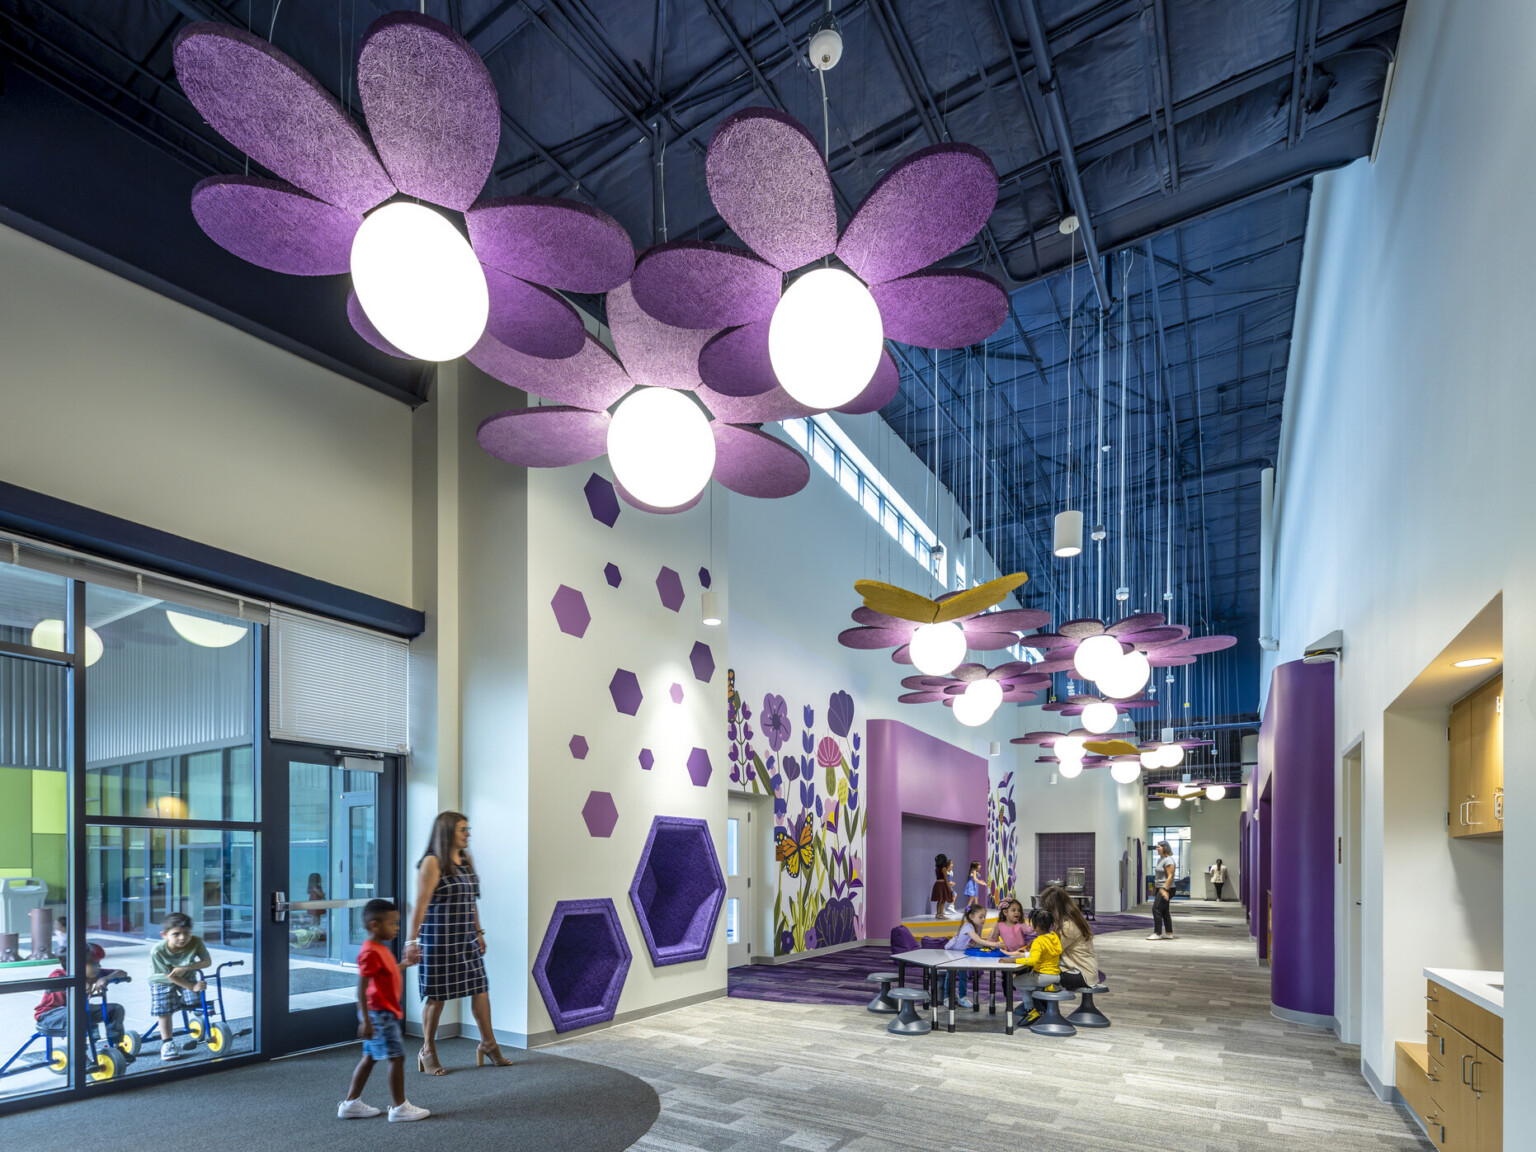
542,1102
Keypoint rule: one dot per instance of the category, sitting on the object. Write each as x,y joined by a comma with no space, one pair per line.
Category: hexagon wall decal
571,611
646,759
703,661
676,693
705,578
611,574
699,768
600,813
581,965
625,690
678,890
602,500
579,747
670,585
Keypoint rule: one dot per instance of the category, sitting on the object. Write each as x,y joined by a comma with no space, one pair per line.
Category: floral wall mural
817,814
1002,829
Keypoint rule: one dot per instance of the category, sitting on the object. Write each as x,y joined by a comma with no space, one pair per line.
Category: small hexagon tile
699,768
602,500
625,690
703,661
677,693
705,578
579,747
670,585
646,759
571,611
611,573
600,813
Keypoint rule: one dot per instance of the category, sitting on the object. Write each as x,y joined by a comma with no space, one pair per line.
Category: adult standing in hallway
447,940
1218,878
1163,869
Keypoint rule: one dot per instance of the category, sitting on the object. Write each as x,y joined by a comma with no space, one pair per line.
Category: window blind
336,684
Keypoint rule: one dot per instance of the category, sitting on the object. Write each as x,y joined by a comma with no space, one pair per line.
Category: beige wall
124,401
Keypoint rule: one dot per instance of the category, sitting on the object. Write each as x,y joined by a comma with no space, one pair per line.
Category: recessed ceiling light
1475,662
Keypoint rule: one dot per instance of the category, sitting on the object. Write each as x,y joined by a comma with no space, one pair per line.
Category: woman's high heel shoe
427,1062
493,1054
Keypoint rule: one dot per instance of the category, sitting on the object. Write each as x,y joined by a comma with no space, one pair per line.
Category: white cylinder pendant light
661,447
418,280
1216,792
1070,769
825,338
937,648
49,635
1126,676
1100,716
1095,655
1171,801
710,607
1125,771
1069,533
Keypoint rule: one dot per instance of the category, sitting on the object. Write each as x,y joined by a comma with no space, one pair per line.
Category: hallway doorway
1349,864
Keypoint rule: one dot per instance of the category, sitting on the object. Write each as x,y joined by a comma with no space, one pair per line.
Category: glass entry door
337,852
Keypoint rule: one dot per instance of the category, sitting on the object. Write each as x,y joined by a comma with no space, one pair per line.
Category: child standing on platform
975,886
378,1009
943,895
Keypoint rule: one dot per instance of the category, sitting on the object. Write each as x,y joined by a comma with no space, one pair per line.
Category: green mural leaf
831,781
762,773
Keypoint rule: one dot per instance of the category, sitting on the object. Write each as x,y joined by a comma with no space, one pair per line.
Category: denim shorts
388,1041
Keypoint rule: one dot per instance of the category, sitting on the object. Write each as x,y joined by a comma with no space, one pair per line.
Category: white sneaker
967,1002
355,1110
1155,936
407,1111
169,1051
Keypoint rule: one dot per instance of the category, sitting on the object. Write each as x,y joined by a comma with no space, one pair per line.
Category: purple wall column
913,773
1298,723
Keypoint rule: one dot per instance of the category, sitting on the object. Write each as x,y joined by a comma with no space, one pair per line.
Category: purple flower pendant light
393,206
820,340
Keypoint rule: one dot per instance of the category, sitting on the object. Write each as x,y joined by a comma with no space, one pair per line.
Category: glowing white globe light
49,635
1070,769
1125,771
1216,792
203,632
1100,716
1188,789
1126,676
936,648
418,280
1149,759
1170,755
1095,655
661,447
1069,747
1171,801
825,338
979,702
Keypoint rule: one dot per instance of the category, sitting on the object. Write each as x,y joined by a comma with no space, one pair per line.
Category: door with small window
740,896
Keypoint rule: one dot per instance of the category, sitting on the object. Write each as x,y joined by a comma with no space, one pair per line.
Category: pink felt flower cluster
1021,684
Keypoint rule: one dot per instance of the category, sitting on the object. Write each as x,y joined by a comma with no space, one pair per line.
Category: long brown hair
440,844
1064,908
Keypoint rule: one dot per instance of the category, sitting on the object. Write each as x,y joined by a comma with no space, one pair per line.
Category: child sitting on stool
1045,958
52,1013
173,966
969,935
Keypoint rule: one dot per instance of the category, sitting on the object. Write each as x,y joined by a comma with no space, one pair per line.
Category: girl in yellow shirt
1044,957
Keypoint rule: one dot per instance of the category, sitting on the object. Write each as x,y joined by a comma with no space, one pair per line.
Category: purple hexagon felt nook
678,890
581,965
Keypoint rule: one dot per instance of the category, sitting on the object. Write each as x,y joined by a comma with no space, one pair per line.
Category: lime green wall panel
50,862
16,818
49,809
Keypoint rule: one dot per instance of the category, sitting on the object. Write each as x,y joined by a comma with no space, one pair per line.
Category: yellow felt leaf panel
894,601
979,598
1110,747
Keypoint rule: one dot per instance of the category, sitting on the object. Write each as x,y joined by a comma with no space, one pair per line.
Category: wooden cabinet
1477,762
1460,1097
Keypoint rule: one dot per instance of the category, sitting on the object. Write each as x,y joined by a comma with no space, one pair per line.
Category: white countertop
1482,988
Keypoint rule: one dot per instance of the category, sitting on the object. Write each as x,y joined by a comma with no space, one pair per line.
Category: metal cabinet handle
1476,1064
1464,1074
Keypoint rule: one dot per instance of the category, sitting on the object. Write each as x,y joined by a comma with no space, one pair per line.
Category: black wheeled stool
1051,1022
882,1002
1088,1015
909,1023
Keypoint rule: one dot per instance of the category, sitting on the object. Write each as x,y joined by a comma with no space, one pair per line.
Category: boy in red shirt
379,1012
52,1011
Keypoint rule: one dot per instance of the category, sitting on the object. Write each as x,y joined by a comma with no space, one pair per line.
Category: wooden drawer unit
1458,1091
1473,1021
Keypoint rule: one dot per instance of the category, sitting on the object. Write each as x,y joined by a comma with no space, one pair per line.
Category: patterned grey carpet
1194,1063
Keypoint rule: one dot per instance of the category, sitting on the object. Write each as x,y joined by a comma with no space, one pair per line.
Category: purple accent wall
1296,742
914,774
1055,852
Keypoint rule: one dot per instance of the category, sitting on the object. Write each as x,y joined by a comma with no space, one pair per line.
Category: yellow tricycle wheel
218,1038
195,1029
58,1063
109,1065
129,1043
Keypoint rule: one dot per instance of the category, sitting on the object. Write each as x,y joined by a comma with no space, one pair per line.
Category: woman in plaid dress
447,941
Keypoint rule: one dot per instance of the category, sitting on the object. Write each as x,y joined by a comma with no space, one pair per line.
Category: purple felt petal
630,499
927,206
1016,620
591,379
1013,670
920,698
944,308
691,284
1049,641
531,319
562,243
764,409
770,184
965,673
873,638
545,437
1137,623
1157,659
263,103
1062,664
920,683
735,362
364,328
880,390
432,108
873,619
1195,646
753,463
1082,628
274,225
654,353
983,639
1152,637
1017,695
902,655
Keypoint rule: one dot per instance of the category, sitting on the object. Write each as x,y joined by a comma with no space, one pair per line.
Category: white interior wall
1214,834
122,400
1405,462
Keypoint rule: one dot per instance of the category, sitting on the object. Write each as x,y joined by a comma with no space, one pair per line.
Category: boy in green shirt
173,967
